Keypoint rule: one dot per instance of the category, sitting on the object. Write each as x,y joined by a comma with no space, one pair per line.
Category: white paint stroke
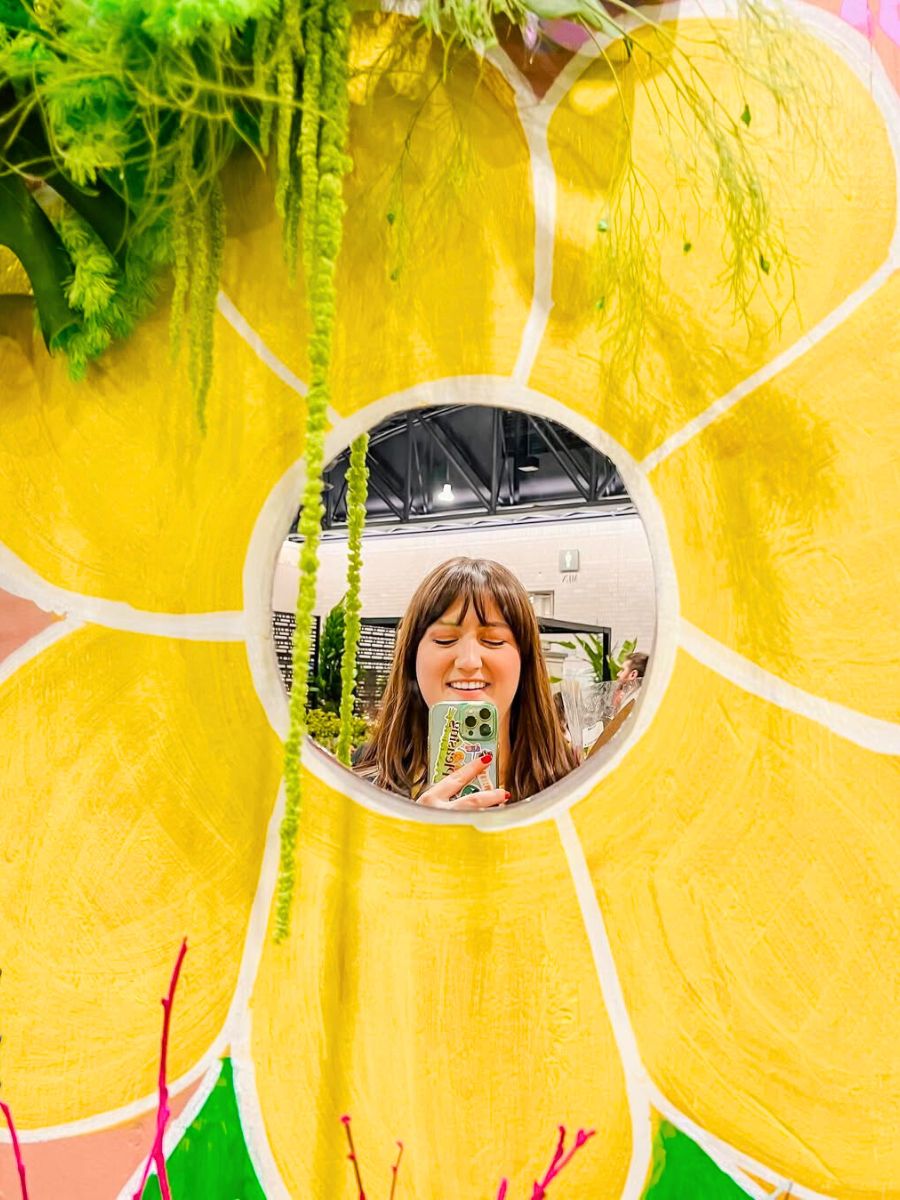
21,580
534,117
772,368
637,1082
245,330
266,540
125,1112
871,733
263,352
720,1151
256,1139
640,1090
258,923
176,1129
240,1024
35,646
254,940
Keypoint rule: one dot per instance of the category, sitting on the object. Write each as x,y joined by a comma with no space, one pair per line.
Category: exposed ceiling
496,462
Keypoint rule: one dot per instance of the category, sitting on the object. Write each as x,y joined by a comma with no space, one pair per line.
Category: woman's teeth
468,687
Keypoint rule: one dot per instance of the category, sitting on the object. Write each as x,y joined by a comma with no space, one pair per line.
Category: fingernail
486,758
507,795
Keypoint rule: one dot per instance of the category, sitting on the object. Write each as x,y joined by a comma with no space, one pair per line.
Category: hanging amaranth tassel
323,163
357,490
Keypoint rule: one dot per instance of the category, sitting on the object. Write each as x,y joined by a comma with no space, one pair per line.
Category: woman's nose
468,654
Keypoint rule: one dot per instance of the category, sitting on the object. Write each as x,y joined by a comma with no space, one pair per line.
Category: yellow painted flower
709,928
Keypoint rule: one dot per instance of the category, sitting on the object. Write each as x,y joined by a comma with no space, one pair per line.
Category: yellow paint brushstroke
136,792
435,275
441,991
783,517
109,488
831,192
747,862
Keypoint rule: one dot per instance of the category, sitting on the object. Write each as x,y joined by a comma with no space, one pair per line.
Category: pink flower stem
560,1159
345,1121
557,1163
156,1155
20,1163
394,1170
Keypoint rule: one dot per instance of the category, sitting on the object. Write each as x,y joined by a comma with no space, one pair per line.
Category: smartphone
458,733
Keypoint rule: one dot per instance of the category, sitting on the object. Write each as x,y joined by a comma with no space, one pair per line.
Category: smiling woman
469,634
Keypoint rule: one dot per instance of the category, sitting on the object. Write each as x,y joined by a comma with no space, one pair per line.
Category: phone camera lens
470,720
485,714
485,731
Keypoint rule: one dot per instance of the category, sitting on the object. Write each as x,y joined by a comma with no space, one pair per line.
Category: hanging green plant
357,491
323,163
129,112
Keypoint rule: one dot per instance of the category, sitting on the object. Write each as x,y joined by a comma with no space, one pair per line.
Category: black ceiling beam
385,482
459,456
385,495
561,454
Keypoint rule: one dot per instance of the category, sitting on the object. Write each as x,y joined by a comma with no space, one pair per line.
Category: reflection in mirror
507,584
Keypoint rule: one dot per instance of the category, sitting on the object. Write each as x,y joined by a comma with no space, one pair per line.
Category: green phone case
458,732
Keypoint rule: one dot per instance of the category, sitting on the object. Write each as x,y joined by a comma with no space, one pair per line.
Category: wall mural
686,956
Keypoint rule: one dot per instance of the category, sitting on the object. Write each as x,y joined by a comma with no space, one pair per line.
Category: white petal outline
176,1129
275,518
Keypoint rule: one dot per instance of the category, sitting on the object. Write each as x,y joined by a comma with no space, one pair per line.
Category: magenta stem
17,1151
345,1121
394,1169
156,1156
559,1161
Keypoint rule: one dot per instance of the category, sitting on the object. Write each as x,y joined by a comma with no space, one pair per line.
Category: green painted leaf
211,1160
682,1171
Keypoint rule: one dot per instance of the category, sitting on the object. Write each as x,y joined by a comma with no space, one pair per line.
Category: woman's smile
468,686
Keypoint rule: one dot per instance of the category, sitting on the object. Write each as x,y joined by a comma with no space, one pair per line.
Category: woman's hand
443,794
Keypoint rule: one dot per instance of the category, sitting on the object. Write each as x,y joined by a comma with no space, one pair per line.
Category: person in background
628,680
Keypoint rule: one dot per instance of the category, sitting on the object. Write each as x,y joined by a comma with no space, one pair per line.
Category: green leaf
28,232
211,1159
681,1169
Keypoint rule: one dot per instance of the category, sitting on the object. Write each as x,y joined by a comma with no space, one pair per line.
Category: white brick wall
614,585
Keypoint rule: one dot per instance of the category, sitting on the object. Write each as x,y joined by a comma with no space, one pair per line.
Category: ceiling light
529,463
445,495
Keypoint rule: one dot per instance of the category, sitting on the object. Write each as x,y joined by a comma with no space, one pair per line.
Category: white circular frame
279,510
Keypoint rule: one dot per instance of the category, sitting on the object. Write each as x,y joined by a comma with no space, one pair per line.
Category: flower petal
442,991
830,185
108,487
779,517
137,791
747,861
436,270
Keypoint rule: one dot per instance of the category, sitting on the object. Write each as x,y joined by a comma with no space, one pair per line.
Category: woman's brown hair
396,756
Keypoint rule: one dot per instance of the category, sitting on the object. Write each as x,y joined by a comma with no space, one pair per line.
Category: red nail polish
508,795
486,758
